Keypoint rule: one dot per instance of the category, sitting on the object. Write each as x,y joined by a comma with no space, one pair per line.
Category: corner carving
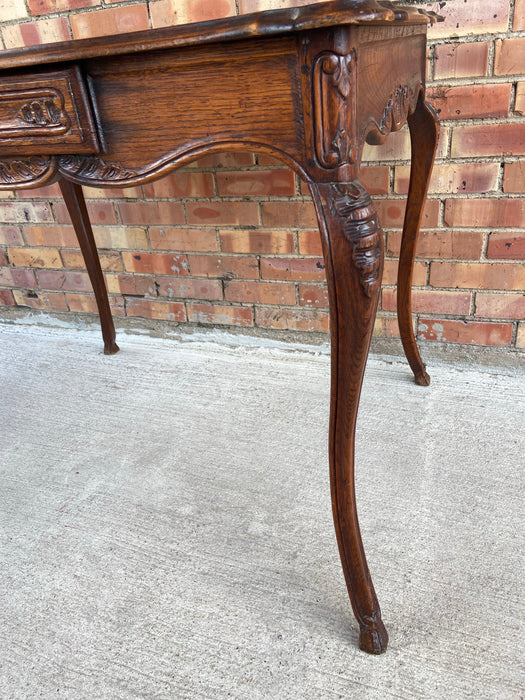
352,204
335,116
20,172
401,103
93,168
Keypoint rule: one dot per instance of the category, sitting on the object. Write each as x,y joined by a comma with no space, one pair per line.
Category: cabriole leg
353,251
76,207
423,125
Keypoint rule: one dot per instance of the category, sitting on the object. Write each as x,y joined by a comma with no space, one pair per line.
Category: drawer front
46,112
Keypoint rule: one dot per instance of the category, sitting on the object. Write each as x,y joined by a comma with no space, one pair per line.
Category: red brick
471,101
465,332
477,275
461,60
44,7
514,179
506,306
184,288
264,159
43,31
459,245
184,239
519,16
133,285
99,213
182,184
109,260
3,259
429,301
510,56
488,140
506,246
256,183
6,297
519,106
390,273
454,177
288,214
145,213
391,212
57,236
485,212
120,237
44,192
313,295
35,257
386,327
310,242
52,301
260,292
112,192
23,212
224,160
396,147
10,235
166,13
220,315
292,319
520,336
85,303
223,213
224,267
152,308
302,269
156,263
471,17
11,10
375,179
64,280
113,20
17,278
257,241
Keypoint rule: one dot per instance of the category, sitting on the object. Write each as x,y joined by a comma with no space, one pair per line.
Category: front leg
353,252
76,206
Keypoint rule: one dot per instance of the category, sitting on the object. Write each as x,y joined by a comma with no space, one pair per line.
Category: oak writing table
307,85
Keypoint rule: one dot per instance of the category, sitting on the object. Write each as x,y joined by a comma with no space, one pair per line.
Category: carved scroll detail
401,103
93,168
334,96
42,112
31,170
361,228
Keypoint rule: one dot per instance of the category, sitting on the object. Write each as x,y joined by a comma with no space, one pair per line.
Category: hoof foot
374,639
422,378
111,348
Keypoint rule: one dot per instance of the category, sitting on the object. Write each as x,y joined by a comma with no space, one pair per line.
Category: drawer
46,112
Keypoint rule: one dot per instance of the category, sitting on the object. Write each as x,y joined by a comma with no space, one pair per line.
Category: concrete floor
166,528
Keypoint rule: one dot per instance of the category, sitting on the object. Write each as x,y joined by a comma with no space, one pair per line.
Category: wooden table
307,85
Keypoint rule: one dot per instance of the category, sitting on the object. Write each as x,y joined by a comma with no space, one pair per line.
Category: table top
260,24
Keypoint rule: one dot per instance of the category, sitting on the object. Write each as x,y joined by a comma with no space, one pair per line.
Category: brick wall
232,239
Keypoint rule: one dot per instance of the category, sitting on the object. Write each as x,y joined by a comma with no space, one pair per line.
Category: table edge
259,24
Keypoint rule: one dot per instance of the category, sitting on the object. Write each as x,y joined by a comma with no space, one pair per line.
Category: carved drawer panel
47,112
